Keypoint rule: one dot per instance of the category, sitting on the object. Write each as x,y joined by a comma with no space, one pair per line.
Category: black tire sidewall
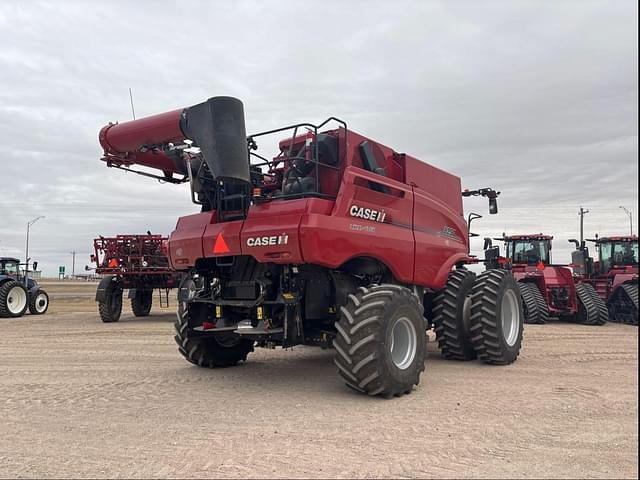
33,302
5,288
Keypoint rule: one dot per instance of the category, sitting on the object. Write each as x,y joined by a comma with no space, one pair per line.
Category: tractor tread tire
448,311
33,308
141,304
206,352
591,308
5,288
536,310
630,292
486,327
361,340
110,312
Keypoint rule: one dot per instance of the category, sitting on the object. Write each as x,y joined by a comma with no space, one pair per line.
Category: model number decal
268,241
367,213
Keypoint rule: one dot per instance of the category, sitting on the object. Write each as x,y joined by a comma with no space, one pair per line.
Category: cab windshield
528,251
8,268
618,253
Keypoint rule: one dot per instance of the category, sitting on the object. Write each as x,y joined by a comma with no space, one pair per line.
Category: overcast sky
536,99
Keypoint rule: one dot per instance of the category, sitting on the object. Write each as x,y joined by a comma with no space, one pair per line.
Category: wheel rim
16,300
41,303
510,317
404,343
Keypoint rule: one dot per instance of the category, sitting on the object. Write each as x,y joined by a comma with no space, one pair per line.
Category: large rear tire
381,340
110,308
623,304
591,308
142,302
223,350
534,308
452,316
13,299
496,317
38,302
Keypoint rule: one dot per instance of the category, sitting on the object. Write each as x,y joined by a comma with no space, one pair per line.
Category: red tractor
336,240
135,262
614,276
547,290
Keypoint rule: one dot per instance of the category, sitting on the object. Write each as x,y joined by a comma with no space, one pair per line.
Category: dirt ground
79,398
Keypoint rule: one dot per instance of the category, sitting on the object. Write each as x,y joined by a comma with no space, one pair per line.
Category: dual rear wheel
479,317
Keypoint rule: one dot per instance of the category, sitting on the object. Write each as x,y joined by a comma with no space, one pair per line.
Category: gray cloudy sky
536,99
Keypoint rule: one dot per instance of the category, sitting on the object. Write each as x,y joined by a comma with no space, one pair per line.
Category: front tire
535,309
110,308
39,302
496,317
13,299
142,302
381,342
452,316
591,308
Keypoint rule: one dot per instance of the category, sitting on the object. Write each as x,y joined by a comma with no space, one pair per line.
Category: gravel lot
79,398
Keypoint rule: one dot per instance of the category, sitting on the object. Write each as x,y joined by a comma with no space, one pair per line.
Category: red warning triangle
220,246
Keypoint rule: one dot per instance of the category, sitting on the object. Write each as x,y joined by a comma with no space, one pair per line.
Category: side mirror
86,268
35,266
487,243
493,206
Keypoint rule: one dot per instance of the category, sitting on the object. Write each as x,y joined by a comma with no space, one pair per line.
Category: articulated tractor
547,290
334,241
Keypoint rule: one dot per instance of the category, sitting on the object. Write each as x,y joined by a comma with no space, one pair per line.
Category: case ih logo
268,241
367,213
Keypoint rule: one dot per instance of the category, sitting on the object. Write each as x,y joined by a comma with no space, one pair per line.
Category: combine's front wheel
142,302
623,304
38,302
13,299
381,342
496,317
591,308
222,350
534,308
452,316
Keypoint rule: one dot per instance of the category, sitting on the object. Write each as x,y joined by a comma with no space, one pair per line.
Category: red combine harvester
135,262
336,241
547,290
614,276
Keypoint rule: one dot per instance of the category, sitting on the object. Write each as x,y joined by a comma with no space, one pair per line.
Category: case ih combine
134,262
614,276
547,289
337,240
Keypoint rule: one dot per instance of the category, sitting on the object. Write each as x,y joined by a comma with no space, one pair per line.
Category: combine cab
614,276
547,290
135,262
335,240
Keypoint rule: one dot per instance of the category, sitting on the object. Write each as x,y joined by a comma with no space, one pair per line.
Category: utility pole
73,264
582,213
630,219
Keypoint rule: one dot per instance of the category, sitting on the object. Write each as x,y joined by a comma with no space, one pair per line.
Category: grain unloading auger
337,241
